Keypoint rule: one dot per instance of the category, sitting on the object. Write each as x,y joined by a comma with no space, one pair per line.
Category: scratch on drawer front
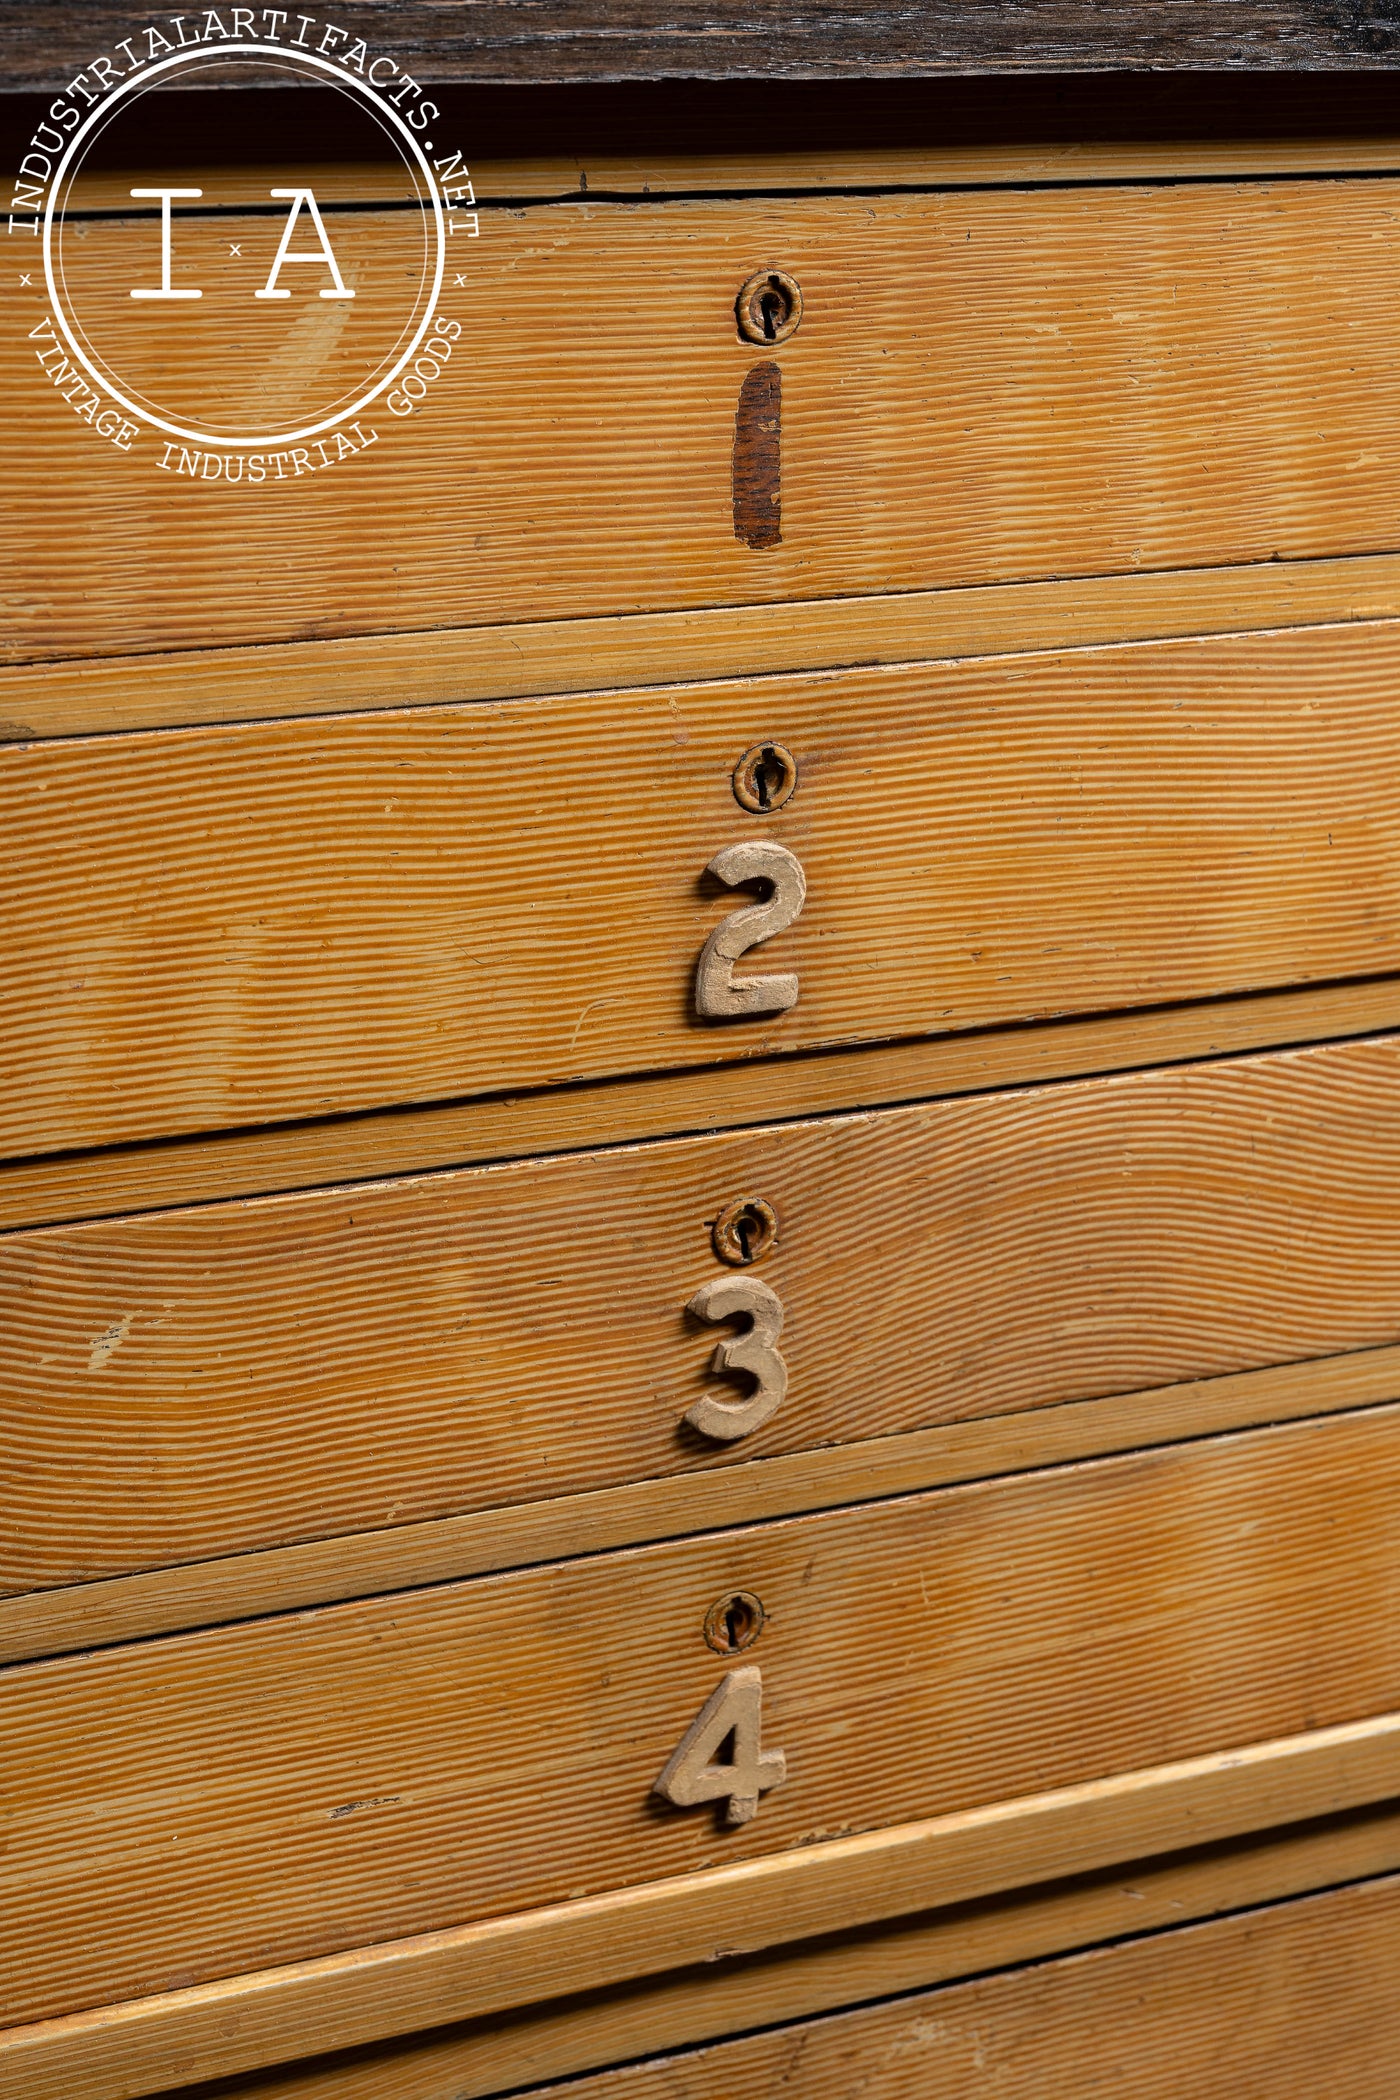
758,438
107,1345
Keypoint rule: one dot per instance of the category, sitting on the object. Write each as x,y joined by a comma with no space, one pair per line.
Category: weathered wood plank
229,926
208,1381
562,40
986,387
724,1913
189,1808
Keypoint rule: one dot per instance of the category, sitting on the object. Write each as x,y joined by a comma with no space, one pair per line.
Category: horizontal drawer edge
235,2024
667,176
337,1569
1244,1883
184,688
534,1122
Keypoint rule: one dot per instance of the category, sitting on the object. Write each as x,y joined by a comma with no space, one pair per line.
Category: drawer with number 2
430,903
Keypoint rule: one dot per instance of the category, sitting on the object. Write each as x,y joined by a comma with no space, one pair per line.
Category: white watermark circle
424,301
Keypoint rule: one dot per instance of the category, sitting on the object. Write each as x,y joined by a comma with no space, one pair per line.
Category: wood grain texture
562,40
477,2058
324,1571
714,1916
242,925
190,1808
1303,1999
395,1141
212,1380
990,386
179,688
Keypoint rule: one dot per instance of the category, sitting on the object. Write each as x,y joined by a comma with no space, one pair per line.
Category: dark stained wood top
42,42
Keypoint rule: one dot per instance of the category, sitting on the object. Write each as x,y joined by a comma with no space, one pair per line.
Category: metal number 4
756,1352
717,990
733,1709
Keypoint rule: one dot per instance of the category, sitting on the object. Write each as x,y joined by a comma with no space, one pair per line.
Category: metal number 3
756,1352
717,990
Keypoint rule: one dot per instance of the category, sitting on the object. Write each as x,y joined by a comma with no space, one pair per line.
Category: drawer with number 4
244,1375
312,917
214,1802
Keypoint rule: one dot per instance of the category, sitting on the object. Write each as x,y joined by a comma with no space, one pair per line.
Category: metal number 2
755,1352
717,990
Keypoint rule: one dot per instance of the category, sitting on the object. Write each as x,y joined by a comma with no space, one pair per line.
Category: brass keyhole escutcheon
744,1231
765,778
734,1623
769,307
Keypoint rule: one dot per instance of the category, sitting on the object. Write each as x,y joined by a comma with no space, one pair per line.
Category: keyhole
765,778
768,779
734,1623
744,1230
769,307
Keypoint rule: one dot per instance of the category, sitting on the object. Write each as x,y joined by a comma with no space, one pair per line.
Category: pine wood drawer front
206,1381
202,1805
225,926
1302,2000
985,386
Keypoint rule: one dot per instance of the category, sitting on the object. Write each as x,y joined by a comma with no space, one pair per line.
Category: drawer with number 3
242,1375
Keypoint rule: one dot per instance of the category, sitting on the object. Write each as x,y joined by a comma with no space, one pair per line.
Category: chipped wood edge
328,1571
248,682
236,2024
382,1143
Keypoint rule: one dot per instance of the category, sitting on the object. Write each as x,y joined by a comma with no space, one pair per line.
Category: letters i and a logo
252,315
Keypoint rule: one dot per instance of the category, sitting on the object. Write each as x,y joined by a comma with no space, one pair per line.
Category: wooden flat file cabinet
700,1129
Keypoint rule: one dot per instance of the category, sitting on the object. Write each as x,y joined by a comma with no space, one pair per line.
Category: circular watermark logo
247,318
